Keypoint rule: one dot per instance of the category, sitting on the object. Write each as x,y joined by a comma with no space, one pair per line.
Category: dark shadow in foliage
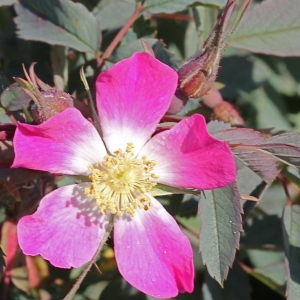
236,287
262,230
2,261
119,289
236,73
172,32
249,205
262,292
276,98
171,203
189,207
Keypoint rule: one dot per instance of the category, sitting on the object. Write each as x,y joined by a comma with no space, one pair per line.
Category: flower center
120,182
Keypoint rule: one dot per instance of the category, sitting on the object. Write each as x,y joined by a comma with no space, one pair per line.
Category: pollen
120,182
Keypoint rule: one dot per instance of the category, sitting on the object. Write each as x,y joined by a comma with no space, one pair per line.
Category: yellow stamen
120,182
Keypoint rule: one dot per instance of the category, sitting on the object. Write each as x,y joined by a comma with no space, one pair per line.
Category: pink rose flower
123,165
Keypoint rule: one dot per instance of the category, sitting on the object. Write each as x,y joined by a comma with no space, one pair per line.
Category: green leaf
171,6
7,2
113,13
291,231
161,190
165,56
13,98
60,67
241,73
58,22
262,258
281,72
220,211
290,175
248,182
129,48
276,272
204,19
244,72
274,200
272,275
270,27
269,108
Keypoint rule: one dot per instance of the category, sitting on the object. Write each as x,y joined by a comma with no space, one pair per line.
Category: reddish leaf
292,138
262,164
246,136
285,147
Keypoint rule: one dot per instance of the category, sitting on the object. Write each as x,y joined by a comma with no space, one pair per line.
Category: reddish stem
109,50
286,191
192,232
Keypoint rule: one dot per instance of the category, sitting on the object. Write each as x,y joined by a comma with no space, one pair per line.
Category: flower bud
197,75
222,110
51,103
177,103
48,101
212,98
226,112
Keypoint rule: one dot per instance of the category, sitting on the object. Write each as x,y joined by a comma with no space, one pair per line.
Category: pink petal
67,143
188,157
132,96
153,254
66,229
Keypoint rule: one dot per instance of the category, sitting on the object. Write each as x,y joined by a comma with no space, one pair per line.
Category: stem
76,286
192,232
91,102
120,35
285,188
87,88
239,16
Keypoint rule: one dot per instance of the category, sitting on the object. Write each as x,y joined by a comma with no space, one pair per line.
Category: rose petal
153,254
188,157
66,229
67,143
132,96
